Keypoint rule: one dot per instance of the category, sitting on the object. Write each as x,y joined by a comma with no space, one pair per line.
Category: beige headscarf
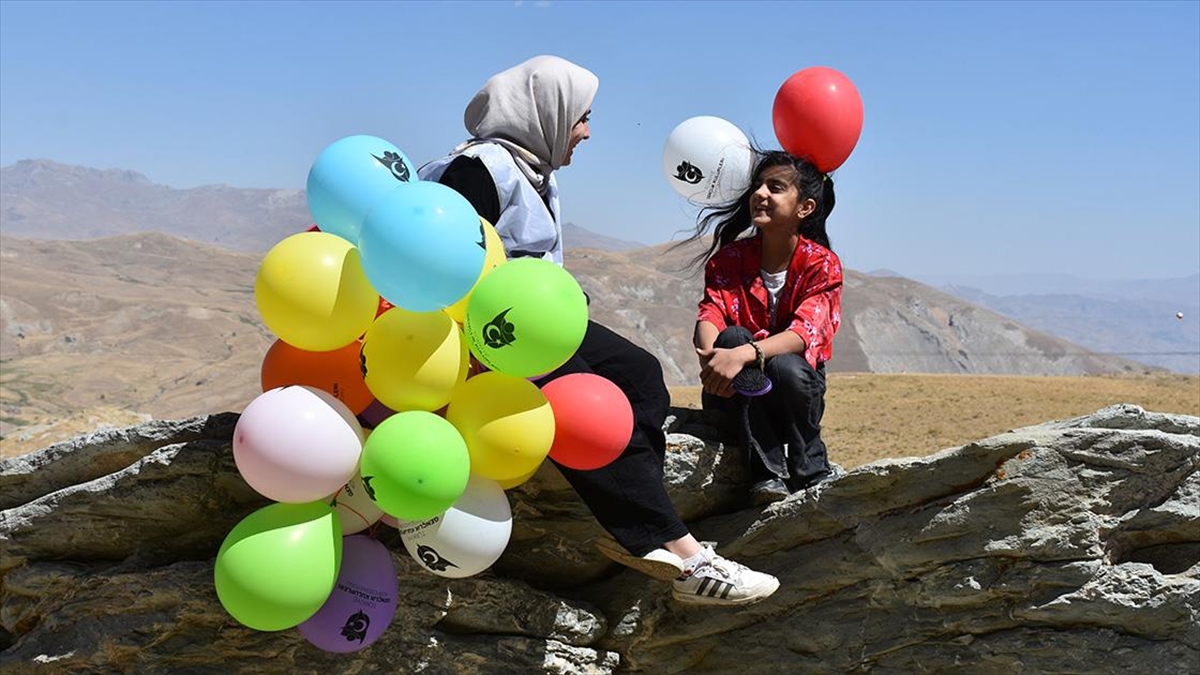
530,110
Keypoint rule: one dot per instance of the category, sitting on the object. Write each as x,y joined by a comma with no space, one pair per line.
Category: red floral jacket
809,302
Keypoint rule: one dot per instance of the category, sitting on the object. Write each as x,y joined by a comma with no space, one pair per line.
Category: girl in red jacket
766,322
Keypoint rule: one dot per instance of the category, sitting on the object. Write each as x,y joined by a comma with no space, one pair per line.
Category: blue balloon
349,178
422,247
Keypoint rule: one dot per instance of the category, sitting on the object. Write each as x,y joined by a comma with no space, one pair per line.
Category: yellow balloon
414,360
507,423
493,258
519,480
312,293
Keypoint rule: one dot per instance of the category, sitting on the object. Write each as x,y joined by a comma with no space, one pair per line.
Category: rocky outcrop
1073,546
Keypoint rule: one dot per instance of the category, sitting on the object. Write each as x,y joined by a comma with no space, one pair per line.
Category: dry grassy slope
146,323
870,416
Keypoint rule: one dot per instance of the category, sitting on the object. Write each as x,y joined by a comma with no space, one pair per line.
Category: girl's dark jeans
780,430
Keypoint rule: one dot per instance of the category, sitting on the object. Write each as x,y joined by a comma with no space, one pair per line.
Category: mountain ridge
157,324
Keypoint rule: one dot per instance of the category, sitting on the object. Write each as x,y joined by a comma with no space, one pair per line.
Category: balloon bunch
399,389
817,115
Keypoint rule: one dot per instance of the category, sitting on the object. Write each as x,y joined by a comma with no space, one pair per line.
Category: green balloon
279,564
526,318
415,465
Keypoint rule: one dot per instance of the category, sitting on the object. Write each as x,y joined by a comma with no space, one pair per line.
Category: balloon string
351,510
372,526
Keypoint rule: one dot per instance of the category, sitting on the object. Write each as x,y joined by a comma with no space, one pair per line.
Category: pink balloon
297,444
363,601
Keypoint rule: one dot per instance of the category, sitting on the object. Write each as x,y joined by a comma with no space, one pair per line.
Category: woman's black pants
627,496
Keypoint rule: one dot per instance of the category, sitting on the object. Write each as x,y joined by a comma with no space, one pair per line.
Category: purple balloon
375,414
363,601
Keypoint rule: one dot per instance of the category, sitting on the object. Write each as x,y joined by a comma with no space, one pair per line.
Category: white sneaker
723,582
659,563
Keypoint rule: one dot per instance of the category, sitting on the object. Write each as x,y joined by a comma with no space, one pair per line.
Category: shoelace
726,567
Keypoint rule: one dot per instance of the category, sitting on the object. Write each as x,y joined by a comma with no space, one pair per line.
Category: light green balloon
526,318
415,465
279,564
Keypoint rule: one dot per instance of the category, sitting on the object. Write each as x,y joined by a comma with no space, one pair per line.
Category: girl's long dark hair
728,221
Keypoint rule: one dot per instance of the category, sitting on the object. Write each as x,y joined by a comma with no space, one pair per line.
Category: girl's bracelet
758,355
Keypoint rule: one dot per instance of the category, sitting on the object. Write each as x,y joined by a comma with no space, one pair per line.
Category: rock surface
1072,546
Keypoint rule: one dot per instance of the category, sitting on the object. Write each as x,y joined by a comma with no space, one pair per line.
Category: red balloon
592,420
818,115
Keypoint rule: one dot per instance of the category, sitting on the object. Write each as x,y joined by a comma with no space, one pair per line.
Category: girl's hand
718,367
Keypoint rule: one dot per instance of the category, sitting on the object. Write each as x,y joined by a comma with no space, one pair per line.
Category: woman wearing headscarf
525,123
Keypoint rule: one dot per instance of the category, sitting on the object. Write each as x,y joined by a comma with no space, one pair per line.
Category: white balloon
355,509
708,160
468,537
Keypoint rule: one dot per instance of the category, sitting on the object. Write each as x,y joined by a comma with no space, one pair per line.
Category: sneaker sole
657,569
690,599
752,393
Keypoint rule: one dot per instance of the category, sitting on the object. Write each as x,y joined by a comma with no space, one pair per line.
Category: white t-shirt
774,282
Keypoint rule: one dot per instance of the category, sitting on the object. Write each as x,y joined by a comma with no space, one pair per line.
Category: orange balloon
337,372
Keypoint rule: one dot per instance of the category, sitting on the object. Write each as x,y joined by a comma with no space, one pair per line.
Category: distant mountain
1146,329
889,325
1181,291
46,200
575,236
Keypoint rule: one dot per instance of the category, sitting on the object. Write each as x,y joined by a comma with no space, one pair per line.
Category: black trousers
627,496
780,430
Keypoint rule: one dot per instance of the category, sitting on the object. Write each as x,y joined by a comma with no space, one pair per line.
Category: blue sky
999,138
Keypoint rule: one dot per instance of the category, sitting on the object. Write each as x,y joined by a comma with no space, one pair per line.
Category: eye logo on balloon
362,359
689,173
432,559
356,627
395,163
482,237
370,490
499,332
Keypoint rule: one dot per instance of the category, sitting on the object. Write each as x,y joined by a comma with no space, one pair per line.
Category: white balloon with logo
708,160
468,537
355,509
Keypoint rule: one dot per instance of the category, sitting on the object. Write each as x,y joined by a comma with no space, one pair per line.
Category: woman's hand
718,367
